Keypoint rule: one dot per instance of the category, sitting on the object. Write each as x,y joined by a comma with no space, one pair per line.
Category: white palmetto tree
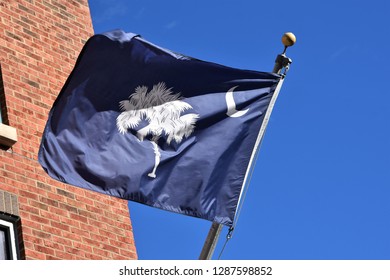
163,111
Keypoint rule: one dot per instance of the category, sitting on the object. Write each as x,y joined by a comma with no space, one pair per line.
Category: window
8,238
3,248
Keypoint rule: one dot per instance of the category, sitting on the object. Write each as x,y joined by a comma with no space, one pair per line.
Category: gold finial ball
288,39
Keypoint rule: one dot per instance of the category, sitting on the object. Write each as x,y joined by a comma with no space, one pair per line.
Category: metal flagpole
211,241
281,62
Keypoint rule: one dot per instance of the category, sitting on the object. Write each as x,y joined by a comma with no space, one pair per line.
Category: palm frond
162,109
177,129
128,120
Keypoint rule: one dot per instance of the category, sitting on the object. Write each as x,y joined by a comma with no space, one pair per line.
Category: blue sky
321,186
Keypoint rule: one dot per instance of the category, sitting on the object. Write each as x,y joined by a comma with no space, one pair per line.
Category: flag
142,123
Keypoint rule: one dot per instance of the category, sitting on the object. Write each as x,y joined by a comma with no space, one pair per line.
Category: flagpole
282,62
211,241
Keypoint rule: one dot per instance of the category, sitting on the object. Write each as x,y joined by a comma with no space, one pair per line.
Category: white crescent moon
231,105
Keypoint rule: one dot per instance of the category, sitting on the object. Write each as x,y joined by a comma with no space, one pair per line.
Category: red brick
39,44
34,255
41,234
64,255
79,218
44,249
70,222
82,246
62,226
102,253
62,240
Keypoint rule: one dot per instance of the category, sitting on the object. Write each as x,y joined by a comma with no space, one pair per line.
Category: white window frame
10,231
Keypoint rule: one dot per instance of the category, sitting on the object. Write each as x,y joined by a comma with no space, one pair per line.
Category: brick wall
39,43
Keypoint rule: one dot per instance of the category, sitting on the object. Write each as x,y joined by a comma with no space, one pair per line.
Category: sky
321,184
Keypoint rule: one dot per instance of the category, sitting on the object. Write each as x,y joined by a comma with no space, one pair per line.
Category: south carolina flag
143,123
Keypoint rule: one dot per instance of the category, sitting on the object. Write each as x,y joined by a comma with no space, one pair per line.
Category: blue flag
143,123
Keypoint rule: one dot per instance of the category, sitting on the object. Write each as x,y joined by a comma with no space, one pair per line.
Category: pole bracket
282,62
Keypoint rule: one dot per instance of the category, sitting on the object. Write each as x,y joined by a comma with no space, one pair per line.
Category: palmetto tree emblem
154,114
